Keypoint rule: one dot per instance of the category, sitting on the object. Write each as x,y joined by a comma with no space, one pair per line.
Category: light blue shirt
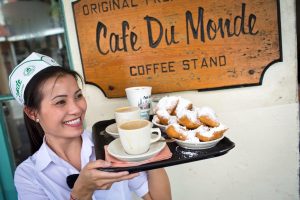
43,176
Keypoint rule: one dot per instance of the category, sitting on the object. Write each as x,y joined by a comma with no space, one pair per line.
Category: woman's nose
74,107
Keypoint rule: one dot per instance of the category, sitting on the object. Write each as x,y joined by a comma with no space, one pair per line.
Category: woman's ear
31,113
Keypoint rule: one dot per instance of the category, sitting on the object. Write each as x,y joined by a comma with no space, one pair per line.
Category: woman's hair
33,97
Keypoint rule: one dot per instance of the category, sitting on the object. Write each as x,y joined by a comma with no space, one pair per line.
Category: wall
263,122
298,32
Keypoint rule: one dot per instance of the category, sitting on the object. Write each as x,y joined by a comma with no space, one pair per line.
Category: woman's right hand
91,179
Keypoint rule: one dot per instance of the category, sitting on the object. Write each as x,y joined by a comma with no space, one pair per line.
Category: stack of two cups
135,129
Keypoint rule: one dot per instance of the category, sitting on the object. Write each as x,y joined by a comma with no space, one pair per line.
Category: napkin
164,154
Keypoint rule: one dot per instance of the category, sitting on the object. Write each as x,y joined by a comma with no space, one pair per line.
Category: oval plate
200,145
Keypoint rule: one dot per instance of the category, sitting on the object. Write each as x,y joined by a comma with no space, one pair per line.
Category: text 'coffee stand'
194,45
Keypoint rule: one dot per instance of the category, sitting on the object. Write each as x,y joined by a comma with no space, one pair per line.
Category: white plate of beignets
192,127
198,145
201,138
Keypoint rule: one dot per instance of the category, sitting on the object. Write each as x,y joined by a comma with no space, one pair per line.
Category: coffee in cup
136,135
128,113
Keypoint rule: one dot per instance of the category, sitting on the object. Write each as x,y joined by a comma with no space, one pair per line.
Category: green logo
18,85
29,70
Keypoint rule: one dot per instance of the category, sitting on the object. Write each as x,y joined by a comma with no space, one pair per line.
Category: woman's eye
78,96
62,102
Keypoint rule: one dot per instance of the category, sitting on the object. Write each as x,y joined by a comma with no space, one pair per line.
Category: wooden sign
176,45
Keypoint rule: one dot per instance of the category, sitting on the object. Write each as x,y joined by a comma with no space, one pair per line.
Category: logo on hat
29,70
18,85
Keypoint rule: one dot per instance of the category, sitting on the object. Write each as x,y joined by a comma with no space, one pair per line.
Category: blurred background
25,27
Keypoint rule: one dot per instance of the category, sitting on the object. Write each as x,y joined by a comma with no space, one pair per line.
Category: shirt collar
43,157
86,149
86,139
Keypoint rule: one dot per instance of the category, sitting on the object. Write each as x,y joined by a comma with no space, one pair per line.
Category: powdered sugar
202,130
185,153
191,137
172,120
209,132
163,113
207,111
189,134
183,104
186,114
167,103
191,115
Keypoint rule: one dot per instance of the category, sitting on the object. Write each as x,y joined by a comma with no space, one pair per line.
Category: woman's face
63,108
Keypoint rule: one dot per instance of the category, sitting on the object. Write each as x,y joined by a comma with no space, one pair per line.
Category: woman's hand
91,179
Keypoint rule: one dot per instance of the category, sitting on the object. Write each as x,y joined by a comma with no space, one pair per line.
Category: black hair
33,97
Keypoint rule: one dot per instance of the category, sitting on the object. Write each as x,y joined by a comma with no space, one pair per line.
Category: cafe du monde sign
176,45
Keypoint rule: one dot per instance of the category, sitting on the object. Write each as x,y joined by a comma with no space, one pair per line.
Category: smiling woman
54,111
60,92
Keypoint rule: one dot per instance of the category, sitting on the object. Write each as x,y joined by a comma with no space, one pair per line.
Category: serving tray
180,155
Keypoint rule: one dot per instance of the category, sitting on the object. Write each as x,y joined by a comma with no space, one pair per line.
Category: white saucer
115,149
112,130
199,145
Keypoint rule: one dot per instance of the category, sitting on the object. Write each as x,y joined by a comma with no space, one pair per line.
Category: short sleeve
139,185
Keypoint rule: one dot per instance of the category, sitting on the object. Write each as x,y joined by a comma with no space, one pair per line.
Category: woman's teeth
73,122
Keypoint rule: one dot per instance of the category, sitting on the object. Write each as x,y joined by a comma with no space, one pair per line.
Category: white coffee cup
140,97
127,113
135,136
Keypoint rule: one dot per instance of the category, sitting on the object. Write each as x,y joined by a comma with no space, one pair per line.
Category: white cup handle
158,135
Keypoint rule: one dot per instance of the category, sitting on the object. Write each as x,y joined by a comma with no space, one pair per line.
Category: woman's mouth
74,122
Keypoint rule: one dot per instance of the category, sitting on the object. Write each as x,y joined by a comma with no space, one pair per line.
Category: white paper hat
23,73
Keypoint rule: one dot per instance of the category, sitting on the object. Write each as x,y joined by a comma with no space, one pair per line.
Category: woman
54,108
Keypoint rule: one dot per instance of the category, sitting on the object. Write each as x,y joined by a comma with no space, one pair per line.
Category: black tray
180,155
